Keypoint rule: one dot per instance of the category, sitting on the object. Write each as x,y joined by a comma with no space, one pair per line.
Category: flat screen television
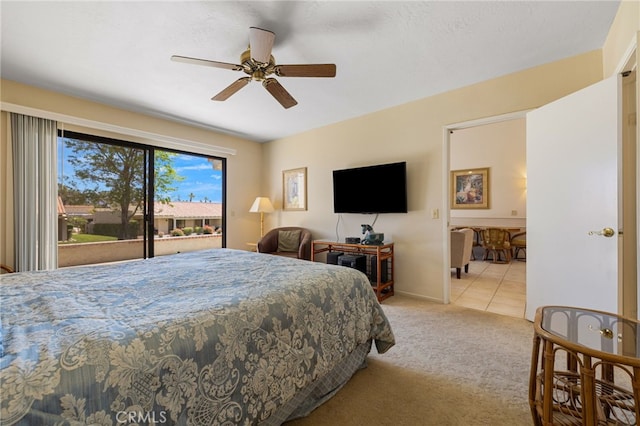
380,188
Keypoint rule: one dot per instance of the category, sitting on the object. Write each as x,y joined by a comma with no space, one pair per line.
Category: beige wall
411,132
414,132
243,169
500,146
622,36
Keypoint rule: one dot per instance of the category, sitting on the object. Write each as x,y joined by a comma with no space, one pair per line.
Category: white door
573,168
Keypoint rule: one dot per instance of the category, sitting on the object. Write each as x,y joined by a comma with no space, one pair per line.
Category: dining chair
496,241
519,242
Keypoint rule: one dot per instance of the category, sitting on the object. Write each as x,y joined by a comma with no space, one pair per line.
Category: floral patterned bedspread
211,337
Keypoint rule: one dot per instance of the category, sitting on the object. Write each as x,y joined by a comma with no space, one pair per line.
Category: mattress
209,337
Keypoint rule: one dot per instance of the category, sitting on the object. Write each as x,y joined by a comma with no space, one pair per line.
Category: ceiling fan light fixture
258,63
258,75
261,43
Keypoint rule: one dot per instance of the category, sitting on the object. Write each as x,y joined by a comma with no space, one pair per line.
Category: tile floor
493,287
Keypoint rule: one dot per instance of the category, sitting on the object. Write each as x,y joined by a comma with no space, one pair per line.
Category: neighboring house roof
187,210
61,210
79,210
174,210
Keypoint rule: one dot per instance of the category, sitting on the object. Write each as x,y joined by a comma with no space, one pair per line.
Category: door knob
606,232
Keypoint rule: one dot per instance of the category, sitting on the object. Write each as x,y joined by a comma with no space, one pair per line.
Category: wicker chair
519,242
461,247
273,242
496,241
6,268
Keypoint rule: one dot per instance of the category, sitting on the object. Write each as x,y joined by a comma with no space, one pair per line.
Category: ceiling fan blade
275,88
231,89
206,62
260,43
308,70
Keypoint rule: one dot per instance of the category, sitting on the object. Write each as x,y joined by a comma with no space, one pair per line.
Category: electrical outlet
435,213
514,212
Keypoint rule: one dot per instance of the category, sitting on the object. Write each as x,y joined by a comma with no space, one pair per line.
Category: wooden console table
381,283
585,368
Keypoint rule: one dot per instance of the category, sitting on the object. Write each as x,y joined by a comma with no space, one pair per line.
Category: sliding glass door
188,208
119,201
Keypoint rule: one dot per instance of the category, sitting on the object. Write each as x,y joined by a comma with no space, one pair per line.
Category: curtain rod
161,141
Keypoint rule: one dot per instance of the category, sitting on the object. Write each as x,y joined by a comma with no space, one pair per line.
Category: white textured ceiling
387,53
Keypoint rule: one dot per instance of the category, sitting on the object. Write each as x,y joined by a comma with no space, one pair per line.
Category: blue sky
201,179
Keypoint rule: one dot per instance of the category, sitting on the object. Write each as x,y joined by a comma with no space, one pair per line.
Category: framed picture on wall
470,189
294,189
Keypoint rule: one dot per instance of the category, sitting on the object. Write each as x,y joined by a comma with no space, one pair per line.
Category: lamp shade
261,205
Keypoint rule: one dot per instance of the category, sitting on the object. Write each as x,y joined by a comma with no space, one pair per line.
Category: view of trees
114,176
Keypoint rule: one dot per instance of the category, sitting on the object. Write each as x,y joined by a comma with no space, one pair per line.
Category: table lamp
261,205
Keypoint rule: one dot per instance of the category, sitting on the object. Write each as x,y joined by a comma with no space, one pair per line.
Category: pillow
288,240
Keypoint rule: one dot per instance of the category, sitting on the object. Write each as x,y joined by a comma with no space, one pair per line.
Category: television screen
373,189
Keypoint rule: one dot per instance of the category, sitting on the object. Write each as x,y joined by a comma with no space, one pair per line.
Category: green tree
166,176
73,196
114,175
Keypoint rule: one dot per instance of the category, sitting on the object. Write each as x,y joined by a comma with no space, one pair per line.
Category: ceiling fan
259,64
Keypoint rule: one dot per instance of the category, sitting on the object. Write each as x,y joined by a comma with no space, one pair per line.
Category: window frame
149,178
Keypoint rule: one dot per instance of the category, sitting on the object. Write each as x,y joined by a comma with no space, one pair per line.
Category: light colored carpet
450,366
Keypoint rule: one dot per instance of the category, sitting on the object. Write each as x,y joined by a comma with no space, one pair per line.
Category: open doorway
497,147
628,298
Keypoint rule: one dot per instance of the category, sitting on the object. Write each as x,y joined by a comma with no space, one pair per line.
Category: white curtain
36,192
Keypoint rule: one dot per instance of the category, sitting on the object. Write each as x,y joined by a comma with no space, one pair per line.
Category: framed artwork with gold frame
294,189
470,189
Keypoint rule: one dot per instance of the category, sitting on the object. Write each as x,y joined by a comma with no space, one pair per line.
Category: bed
211,337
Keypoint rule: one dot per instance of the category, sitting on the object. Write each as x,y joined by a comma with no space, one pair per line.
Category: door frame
628,297
627,63
446,182
629,281
629,285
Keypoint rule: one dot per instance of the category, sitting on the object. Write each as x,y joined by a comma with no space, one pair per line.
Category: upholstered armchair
461,246
290,241
6,269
